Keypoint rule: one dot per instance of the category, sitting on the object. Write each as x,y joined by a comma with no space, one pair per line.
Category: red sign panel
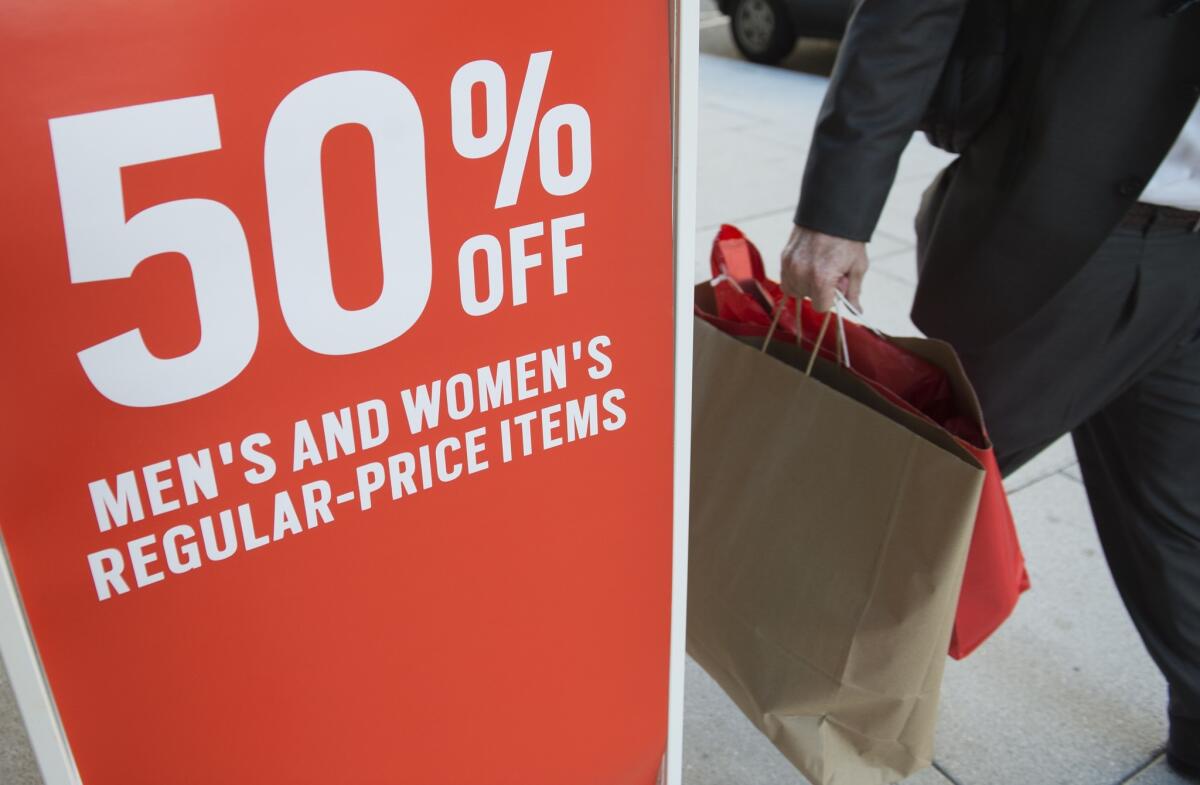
338,398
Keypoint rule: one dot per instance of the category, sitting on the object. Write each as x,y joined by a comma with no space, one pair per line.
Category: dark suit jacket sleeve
889,63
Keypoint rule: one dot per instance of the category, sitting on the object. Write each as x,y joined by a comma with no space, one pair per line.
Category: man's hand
818,265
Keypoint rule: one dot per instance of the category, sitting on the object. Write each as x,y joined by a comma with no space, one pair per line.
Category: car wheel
762,30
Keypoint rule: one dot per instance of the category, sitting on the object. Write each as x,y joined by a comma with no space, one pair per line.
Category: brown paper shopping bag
829,530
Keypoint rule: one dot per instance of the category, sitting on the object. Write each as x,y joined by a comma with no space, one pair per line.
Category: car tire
762,30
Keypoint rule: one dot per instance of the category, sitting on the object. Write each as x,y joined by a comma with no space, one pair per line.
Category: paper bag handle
856,313
812,358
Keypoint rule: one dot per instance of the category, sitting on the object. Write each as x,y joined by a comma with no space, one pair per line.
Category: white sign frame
685,59
17,647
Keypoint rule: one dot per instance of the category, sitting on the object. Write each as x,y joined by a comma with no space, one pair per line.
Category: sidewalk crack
1155,758
940,769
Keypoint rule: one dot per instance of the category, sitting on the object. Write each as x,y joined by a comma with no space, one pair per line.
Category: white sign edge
686,56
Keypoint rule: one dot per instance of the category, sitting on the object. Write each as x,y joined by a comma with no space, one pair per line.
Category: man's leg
1141,463
1115,359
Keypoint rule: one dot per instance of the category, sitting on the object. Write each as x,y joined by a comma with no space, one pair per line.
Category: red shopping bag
746,303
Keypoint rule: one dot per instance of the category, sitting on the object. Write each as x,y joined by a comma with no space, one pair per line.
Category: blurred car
765,31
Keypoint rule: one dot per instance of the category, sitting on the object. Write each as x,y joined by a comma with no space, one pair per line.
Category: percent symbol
574,117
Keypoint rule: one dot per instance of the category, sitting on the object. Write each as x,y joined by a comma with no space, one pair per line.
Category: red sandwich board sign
347,359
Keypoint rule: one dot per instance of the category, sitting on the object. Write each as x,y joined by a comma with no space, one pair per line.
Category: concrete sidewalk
1064,693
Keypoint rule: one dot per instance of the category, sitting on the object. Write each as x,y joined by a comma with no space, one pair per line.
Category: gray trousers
1114,360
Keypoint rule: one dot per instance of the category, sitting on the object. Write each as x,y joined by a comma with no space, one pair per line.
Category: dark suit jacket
1099,92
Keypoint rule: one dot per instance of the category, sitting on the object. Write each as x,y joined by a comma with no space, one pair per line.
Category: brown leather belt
1152,216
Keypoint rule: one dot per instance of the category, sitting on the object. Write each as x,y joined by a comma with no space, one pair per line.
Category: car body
765,31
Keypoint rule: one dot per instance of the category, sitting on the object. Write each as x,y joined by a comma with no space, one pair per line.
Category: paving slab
884,246
1064,693
715,117
734,188
900,208
788,99
900,264
886,303
1058,457
739,145
919,163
